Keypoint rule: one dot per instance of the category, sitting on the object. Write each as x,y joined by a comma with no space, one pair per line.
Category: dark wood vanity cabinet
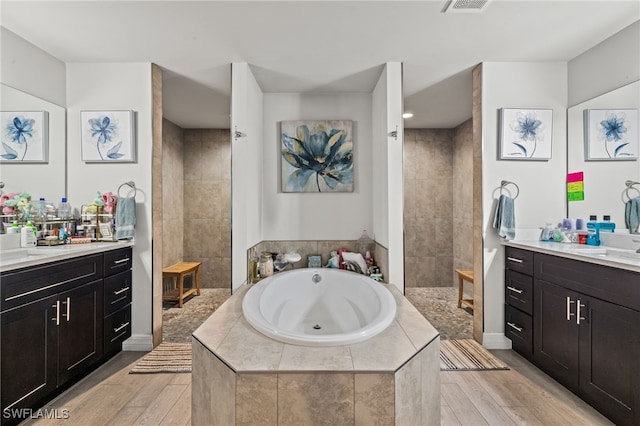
52,328
586,332
117,299
518,296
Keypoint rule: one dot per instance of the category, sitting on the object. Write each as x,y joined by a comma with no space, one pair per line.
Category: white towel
125,218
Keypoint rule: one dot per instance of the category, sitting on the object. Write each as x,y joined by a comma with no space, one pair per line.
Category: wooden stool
179,270
464,275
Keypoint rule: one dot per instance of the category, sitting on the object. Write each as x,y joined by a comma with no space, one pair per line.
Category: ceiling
315,46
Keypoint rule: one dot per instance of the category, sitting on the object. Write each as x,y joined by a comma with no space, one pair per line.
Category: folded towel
125,218
632,215
505,219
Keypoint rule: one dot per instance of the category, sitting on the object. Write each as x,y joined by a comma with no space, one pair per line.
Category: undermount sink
608,252
21,253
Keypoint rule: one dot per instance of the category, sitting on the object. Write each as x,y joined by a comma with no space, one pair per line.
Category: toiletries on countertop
14,228
27,236
64,209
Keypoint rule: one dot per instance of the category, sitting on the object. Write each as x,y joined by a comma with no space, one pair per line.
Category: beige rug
467,354
165,358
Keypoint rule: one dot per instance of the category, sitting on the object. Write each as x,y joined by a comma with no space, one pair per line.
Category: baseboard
495,341
138,343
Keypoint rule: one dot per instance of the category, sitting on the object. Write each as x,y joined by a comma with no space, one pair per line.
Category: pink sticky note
575,177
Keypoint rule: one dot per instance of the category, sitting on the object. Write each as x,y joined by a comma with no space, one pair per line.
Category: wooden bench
178,271
464,275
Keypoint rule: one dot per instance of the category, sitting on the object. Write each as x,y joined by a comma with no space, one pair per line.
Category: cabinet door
556,333
609,357
28,365
80,334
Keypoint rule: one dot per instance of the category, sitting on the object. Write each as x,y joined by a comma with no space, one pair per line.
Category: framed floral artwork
525,134
25,136
108,136
317,155
611,134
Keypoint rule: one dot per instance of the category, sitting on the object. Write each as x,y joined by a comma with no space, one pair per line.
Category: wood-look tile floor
522,395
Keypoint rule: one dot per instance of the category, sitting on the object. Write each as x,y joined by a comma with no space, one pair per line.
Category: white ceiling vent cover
466,6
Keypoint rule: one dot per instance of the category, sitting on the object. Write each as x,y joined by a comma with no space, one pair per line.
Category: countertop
24,257
602,255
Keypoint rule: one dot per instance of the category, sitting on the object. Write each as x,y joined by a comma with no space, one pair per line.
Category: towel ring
504,183
130,184
630,185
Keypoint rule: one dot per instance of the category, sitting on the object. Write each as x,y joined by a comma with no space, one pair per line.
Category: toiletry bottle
14,228
41,209
254,273
266,265
27,237
64,209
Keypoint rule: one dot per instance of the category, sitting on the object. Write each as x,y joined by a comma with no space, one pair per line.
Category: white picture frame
108,136
25,137
525,134
611,134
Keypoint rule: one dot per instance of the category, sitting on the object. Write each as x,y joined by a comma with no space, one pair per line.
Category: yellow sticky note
575,186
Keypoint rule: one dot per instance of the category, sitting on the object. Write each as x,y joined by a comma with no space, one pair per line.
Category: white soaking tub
319,307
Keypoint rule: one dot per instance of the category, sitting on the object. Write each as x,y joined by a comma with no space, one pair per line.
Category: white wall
30,69
613,63
313,216
387,159
111,86
246,166
542,183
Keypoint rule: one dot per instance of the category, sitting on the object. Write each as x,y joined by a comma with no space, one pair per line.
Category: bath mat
165,358
467,355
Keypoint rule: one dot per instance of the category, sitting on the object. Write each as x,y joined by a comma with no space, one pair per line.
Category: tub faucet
316,278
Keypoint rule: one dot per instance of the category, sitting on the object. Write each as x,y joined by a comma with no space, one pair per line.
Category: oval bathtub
341,308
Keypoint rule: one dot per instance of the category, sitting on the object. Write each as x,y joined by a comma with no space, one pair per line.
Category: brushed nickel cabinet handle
115,330
578,315
569,313
515,290
57,308
117,262
512,325
513,259
68,309
122,290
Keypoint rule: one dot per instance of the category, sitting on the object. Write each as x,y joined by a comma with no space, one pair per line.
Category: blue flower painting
107,136
24,136
525,134
317,156
612,134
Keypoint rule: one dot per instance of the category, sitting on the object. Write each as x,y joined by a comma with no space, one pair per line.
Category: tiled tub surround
241,377
323,248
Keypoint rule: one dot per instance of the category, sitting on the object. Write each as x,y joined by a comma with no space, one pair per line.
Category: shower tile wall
463,199
172,190
428,221
207,204
438,216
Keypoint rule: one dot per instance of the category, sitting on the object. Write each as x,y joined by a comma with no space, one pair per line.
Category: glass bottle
266,265
254,272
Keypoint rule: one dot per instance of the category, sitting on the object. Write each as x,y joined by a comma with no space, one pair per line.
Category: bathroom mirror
45,179
604,181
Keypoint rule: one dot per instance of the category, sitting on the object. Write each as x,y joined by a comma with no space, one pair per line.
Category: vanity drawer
116,261
518,291
518,327
518,260
117,329
36,282
117,292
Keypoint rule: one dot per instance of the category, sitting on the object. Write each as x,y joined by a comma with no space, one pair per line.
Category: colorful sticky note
575,177
575,196
575,187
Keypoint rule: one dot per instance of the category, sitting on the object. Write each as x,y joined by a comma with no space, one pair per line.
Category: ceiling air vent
466,6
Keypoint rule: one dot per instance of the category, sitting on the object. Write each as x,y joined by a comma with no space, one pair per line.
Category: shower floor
438,304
